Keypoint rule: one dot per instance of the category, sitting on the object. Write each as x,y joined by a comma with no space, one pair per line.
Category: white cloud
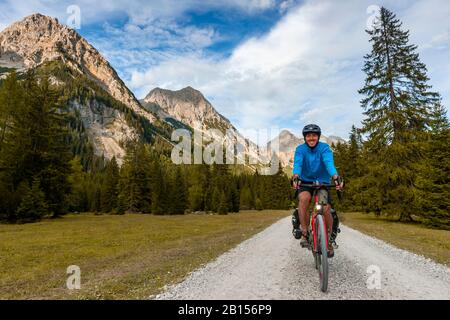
276,77
286,5
306,69
439,41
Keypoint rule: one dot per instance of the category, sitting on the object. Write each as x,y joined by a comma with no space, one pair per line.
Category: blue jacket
314,164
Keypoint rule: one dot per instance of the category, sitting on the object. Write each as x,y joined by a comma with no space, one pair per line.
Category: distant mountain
286,143
108,110
38,39
190,107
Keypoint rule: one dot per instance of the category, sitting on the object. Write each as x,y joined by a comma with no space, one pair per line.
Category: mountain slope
38,39
102,109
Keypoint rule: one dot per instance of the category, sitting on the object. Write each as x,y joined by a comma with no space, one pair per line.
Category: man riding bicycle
313,162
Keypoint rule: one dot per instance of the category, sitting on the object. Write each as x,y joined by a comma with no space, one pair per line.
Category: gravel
272,265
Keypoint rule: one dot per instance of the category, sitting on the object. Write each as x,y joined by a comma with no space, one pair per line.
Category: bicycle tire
316,260
313,249
323,254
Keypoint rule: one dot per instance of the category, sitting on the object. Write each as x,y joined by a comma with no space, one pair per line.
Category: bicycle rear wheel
322,255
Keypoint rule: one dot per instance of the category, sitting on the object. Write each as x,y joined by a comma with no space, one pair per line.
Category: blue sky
262,63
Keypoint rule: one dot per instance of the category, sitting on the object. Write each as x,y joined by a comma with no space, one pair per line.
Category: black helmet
312,128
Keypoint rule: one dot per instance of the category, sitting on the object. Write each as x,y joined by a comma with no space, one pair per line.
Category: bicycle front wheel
322,255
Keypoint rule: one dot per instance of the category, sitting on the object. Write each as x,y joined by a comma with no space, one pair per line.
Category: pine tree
349,164
97,199
159,188
178,194
222,208
398,105
279,191
206,186
77,199
110,187
195,196
11,101
258,204
439,119
135,193
215,199
434,182
35,143
246,200
33,206
234,196
433,179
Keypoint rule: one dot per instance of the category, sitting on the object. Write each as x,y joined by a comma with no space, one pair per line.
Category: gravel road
271,265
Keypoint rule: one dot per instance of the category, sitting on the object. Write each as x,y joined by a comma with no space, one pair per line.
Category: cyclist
313,161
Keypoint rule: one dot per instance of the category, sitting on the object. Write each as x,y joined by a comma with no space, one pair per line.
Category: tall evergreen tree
434,191
33,206
398,105
349,164
78,198
110,187
34,146
246,199
11,101
433,178
178,193
135,191
159,205
222,207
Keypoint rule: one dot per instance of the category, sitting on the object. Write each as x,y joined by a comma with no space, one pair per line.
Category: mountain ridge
41,42
37,39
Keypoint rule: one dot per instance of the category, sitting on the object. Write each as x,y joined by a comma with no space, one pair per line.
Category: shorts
311,191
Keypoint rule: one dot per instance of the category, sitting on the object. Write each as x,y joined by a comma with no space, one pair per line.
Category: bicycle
318,231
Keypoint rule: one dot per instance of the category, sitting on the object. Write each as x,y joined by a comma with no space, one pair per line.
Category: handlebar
318,186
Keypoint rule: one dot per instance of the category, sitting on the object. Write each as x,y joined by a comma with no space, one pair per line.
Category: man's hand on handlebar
295,182
339,182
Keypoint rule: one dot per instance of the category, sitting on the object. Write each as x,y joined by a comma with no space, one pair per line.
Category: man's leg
304,200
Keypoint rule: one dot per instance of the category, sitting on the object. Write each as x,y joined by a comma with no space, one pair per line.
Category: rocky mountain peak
189,106
38,39
188,94
286,134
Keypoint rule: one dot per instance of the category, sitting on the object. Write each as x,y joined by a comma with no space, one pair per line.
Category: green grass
120,257
414,237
